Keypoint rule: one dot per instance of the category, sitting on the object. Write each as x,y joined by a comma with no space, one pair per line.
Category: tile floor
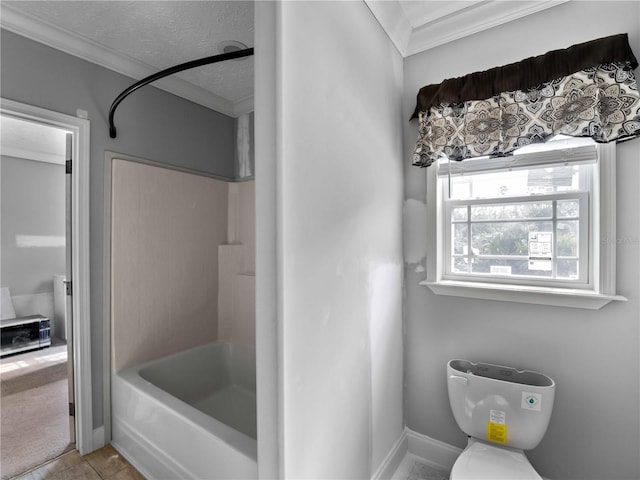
413,467
103,464
107,464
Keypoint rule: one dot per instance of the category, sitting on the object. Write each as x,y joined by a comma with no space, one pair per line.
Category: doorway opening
34,365
45,408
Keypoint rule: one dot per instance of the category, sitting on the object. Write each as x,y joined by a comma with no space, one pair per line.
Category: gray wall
33,203
339,252
151,124
592,355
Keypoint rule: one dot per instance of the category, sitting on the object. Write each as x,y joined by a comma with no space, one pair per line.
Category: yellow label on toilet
496,432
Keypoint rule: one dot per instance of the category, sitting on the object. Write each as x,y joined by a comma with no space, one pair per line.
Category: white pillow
6,305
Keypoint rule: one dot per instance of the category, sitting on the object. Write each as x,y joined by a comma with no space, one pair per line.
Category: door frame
81,313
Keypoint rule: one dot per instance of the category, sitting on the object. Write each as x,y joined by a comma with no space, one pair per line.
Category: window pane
506,267
505,238
567,245
568,208
532,181
549,180
487,185
460,265
459,214
513,211
567,269
459,238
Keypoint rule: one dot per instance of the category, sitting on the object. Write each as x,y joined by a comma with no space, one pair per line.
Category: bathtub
191,415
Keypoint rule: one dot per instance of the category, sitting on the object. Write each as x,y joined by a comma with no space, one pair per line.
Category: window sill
558,297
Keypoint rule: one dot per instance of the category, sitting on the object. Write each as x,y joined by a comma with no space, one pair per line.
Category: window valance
586,90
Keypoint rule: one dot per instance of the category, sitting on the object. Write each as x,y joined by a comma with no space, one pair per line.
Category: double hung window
526,227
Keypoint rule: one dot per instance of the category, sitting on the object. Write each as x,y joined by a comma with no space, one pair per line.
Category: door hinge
68,287
72,409
68,165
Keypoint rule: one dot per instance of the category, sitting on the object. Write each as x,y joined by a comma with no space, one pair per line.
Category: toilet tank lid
503,373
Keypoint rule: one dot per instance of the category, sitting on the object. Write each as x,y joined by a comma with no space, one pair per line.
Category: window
527,227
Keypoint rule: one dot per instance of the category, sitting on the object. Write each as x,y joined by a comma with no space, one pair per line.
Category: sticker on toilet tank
497,428
531,401
497,416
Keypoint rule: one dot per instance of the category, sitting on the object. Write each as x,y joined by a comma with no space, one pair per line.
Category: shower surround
182,299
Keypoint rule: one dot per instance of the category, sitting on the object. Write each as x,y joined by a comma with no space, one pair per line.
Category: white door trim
80,257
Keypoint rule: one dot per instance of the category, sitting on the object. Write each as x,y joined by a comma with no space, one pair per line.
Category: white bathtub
191,415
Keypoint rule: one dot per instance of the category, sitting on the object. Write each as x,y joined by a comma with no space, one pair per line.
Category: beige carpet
34,426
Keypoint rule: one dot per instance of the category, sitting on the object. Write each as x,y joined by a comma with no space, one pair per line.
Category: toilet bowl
504,411
484,461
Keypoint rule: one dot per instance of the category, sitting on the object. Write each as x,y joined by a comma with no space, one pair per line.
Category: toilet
504,411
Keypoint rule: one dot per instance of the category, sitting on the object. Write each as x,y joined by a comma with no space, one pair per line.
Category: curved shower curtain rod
170,71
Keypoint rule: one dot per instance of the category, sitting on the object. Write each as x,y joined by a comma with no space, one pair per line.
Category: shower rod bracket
170,71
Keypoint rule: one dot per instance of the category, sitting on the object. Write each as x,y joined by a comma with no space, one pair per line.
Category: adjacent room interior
34,364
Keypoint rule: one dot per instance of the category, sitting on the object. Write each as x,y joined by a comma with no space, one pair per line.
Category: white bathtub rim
237,440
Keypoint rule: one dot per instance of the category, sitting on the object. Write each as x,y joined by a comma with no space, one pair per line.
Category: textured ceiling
139,38
161,34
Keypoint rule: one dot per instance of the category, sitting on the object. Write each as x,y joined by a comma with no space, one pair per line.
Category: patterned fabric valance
500,110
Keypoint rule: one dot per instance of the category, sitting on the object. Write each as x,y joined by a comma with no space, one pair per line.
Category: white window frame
585,272
600,288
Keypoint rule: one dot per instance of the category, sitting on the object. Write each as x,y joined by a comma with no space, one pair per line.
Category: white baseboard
437,454
391,462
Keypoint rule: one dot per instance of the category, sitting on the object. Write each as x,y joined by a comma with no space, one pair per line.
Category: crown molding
473,19
462,23
393,21
243,106
40,31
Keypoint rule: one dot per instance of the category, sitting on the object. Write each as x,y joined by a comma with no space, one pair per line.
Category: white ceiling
418,25
139,38
32,141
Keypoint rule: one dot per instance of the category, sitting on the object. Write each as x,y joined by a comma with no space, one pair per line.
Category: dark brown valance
587,90
527,73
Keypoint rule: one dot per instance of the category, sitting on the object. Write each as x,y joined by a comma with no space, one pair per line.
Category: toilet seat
483,461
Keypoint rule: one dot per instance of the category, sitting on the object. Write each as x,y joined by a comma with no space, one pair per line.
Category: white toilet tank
500,404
